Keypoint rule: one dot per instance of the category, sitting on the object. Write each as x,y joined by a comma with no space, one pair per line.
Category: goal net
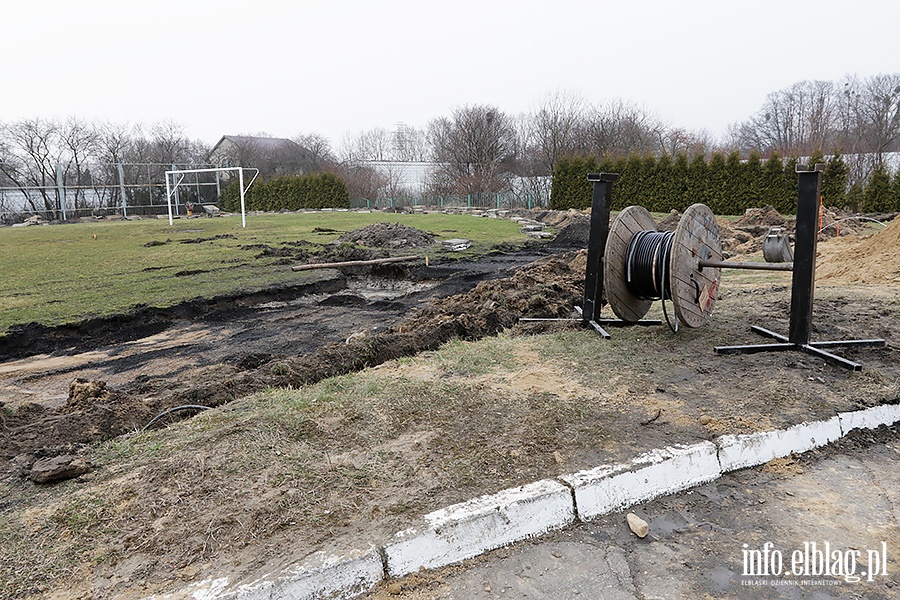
176,177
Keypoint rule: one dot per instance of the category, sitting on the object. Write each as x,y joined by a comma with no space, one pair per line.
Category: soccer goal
176,177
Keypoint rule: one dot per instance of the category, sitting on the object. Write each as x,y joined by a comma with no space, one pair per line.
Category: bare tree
170,145
33,154
316,151
476,146
556,128
797,120
880,111
373,144
363,181
80,142
620,128
408,144
673,141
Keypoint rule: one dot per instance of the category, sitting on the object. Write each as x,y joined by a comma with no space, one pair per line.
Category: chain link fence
125,189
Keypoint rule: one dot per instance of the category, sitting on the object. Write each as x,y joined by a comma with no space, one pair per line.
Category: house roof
263,143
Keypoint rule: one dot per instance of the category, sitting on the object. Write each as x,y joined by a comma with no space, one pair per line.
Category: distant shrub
289,192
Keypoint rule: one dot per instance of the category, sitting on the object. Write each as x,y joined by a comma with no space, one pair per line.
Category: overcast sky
286,68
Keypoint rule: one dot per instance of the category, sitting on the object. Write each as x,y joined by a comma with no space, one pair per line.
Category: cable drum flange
626,305
695,289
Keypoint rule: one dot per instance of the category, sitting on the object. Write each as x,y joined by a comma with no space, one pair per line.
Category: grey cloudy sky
285,68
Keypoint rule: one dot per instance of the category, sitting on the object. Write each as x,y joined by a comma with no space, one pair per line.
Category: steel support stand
589,311
803,286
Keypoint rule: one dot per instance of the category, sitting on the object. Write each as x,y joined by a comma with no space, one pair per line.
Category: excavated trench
94,380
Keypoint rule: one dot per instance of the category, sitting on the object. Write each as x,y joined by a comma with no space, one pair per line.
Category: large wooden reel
694,289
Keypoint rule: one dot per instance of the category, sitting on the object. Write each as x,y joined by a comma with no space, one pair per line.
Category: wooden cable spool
623,303
693,288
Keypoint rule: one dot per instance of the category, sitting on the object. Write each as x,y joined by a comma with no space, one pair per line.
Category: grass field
65,273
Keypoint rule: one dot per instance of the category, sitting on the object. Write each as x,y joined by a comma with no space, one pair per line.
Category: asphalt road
764,532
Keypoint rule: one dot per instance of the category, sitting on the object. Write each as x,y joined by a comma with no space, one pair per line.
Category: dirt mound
836,222
767,216
388,235
547,288
84,393
871,260
92,413
572,231
670,222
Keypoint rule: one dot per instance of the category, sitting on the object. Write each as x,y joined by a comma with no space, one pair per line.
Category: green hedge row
727,185
318,190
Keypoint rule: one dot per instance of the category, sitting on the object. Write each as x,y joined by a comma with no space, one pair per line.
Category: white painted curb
604,489
871,418
465,530
319,577
471,528
740,451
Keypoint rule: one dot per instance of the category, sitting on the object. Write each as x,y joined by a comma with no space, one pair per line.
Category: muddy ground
67,387
212,351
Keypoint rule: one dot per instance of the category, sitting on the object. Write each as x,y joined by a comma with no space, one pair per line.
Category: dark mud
212,351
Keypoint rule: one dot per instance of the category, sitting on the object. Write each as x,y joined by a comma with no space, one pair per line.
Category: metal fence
103,189
484,200
130,189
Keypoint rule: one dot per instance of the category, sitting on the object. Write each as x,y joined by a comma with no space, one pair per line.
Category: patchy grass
65,273
351,460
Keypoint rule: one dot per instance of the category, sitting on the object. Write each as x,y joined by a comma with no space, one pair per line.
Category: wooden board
624,304
694,290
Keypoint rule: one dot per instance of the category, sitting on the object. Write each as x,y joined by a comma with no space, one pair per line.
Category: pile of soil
670,222
573,229
302,251
739,240
836,222
388,235
547,288
869,260
766,216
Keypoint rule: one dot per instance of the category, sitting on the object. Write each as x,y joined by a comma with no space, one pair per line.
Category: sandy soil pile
872,260
388,235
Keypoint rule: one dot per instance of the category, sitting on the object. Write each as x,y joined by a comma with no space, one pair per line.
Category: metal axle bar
724,264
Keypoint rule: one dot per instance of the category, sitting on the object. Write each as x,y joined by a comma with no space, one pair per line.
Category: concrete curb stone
471,528
606,488
468,529
748,450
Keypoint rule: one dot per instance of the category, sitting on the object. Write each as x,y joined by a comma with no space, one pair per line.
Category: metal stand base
596,325
809,188
814,348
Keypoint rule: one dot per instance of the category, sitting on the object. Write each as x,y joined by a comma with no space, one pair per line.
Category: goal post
172,185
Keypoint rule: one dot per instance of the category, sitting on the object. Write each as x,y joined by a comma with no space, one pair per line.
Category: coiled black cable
647,268
647,265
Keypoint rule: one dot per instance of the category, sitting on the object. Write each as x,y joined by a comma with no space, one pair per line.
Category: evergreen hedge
289,192
727,184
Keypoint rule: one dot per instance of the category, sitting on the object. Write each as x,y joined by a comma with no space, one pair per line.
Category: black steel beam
601,200
833,359
754,348
874,343
805,236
